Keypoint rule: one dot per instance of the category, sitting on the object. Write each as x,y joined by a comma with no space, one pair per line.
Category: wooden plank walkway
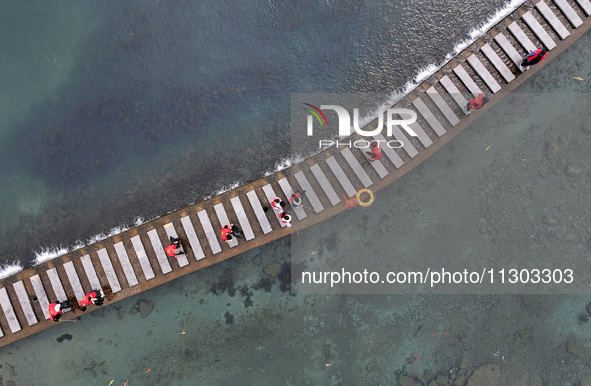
134,261
537,29
553,20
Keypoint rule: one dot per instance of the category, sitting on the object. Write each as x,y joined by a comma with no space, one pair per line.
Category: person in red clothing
296,199
476,103
95,297
277,204
55,311
171,249
376,152
227,234
534,57
285,219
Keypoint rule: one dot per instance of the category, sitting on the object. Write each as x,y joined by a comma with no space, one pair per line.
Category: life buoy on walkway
368,202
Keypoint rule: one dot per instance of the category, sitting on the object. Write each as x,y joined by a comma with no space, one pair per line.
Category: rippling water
112,113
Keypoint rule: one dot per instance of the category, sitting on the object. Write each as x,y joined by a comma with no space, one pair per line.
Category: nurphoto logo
408,117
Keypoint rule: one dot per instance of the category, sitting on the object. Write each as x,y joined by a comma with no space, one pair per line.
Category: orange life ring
365,203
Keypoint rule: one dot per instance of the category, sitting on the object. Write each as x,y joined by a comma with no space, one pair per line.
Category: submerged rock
552,150
406,381
576,348
273,269
486,375
145,307
257,260
574,170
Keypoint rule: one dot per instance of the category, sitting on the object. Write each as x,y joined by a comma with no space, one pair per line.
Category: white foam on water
285,163
224,189
114,231
10,269
48,253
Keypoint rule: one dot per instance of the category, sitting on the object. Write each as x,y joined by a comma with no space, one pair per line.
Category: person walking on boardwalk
95,297
236,232
277,204
232,230
534,57
285,219
55,311
171,249
375,153
476,103
296,199
227,234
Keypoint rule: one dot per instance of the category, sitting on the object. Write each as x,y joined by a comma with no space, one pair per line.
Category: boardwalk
134,261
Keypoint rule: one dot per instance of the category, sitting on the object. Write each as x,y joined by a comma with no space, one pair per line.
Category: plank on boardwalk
341,176
497,62
511,52
521,37
170,231
140,252
25,302
406,144
258,211
453,91
443,106
468,82
422,136
210,234
242,218
483,73
390,153
223,219
41,295
192,236
309,192
538,30
429,117
90,272
56,283
569,12
159,251
286,188
109,271
551,18
125,264
585,5
325,185
74,280
9,311
356,166
377,164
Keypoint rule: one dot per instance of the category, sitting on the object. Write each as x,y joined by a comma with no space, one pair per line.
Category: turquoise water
107,109
237,333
